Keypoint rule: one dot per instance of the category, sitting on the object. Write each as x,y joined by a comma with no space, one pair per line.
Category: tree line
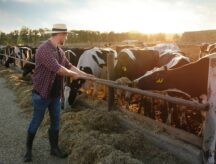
34,36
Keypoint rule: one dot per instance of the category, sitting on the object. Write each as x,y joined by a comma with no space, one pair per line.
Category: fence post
110,76
21,57
209,133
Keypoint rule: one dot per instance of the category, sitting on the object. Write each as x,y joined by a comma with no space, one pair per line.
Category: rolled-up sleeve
47,59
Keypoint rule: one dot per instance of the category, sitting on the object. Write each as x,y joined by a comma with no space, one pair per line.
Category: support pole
110,76
209,138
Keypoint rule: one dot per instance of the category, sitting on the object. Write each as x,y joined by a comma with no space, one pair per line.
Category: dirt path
13,133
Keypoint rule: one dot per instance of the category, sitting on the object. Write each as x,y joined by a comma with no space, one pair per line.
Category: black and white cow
73,54
12,51
28,67
2,53
163,47
173,59
121,47
21,53
133,63
92,61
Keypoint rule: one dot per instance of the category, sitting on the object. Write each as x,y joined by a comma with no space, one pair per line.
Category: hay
21,88
97,136
105,122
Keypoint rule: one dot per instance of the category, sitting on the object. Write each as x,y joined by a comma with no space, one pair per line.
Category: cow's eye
124,68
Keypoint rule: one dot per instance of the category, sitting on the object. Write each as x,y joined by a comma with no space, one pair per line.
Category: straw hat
58,28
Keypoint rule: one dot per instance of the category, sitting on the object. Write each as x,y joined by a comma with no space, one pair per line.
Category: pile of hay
96,136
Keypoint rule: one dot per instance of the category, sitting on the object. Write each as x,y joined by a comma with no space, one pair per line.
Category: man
51,67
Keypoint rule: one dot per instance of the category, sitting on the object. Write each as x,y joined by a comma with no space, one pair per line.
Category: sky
146,16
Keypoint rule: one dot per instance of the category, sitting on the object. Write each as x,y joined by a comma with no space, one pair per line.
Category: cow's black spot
76,84
95,59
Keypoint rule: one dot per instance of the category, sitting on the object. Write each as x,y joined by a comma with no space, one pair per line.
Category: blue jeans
39,108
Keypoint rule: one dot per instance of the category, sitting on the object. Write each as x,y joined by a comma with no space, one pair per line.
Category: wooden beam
175,100
178,133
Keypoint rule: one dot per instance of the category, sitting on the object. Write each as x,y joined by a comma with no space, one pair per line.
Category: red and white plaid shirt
48,62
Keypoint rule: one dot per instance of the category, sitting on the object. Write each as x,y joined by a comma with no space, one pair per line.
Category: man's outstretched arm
67,72
75,69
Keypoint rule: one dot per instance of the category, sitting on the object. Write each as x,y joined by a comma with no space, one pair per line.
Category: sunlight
143,16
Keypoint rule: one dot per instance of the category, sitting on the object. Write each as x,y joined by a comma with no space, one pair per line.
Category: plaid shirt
48,62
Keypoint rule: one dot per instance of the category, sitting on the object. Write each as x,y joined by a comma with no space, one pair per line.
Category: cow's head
152,80
203,47
125,62
100,58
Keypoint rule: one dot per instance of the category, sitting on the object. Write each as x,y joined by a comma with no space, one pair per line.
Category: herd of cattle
161,68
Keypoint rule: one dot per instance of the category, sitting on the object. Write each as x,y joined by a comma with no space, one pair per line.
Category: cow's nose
127,96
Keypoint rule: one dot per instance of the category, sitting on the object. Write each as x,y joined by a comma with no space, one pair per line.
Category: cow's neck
191,78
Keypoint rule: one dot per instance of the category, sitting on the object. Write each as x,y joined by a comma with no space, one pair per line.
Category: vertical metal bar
209,133
110,76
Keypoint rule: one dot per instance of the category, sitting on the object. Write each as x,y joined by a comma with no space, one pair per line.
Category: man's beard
61,43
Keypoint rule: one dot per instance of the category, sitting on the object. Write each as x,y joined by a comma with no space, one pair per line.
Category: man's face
62,37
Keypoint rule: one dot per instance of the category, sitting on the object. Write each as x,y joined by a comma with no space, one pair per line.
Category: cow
29,67
170,59
203,50
19,52
73,55
121,94
121,47
133,62
173,59
206,49
163,47
2,53
190,78
29,55
211,48
12,51
92,61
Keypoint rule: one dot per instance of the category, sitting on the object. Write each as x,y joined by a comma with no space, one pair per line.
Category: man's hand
82,73
82,76
76,76
88,75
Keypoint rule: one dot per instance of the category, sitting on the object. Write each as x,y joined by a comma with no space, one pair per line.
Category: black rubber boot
29,142
207,157
53,138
